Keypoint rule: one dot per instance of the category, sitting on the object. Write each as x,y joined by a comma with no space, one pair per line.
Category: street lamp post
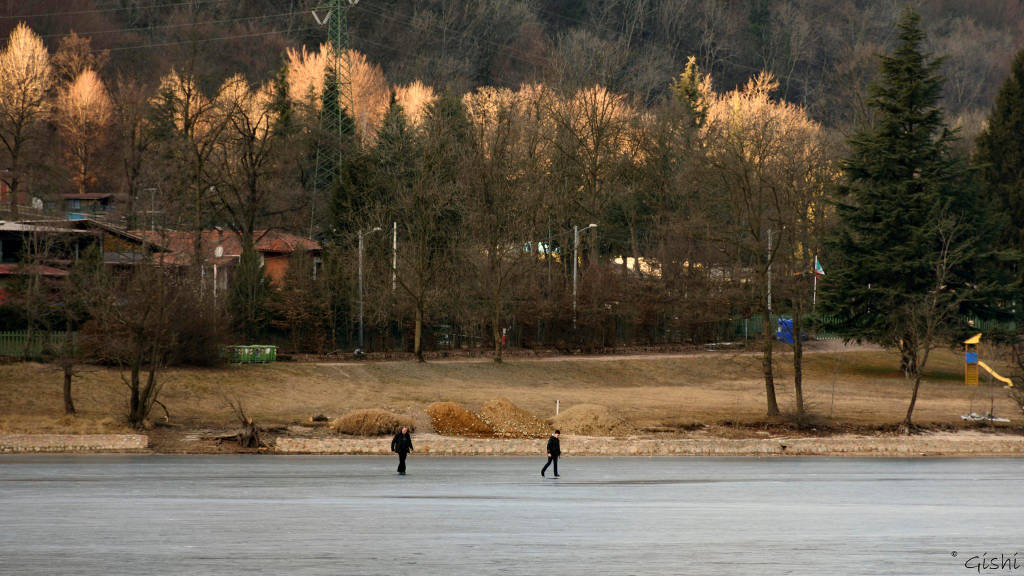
361,234
575,259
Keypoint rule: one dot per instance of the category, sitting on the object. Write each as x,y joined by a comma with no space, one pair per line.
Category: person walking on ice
554,451
402,445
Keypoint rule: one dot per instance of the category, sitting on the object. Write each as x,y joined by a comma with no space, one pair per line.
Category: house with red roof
223,248
220,249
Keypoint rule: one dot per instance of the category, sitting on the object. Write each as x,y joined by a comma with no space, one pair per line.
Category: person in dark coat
554,451
401,444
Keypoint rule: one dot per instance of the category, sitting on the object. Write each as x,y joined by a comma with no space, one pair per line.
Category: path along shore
968,443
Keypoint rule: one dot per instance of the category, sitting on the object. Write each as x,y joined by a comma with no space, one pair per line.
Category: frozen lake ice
296,515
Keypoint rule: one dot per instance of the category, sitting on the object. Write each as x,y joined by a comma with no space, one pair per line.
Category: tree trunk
30,309
798,357
334,321
69,405
83,174
133,402
907,422
495,324
67,363
149,393
15,182
130,219
30,332
913,372
417,346
249,435
766,360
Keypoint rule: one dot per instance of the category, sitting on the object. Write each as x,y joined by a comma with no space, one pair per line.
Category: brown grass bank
709,394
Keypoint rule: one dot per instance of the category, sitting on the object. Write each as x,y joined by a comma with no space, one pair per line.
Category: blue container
784,330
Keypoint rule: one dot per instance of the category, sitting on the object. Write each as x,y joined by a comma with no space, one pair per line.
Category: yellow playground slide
1002,379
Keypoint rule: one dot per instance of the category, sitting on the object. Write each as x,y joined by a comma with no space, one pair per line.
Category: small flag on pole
818,270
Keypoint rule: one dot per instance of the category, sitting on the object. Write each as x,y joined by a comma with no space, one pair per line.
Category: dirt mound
592,420
455,420
511,421
371,422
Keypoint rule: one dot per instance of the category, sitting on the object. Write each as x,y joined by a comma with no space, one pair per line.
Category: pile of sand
455,420
592,420
511,421
371,422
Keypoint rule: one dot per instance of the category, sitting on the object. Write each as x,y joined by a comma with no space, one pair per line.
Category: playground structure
972,363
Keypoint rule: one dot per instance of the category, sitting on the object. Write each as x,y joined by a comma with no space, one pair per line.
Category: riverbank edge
73,443
949,444
939,444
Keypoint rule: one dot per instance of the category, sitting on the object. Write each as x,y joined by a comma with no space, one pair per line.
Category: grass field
667,392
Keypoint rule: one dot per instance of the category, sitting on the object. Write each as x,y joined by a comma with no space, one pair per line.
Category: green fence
258,354
750,328
16,344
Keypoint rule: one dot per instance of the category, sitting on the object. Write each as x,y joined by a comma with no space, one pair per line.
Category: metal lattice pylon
337,100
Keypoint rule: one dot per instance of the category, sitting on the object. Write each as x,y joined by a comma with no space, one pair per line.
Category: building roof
94,224
272,241
180,244
30,227
86,196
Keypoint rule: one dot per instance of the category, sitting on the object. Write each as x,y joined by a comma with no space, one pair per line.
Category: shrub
371,422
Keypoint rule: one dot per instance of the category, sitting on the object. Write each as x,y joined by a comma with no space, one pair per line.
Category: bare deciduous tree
415,98
500,200
84,112
134,136
75,55
427,211
25,70
137,321
365,92
763,155
252,181
187,129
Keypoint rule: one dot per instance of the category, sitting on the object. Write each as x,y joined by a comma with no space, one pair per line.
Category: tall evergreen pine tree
1000,156
902,259
395,154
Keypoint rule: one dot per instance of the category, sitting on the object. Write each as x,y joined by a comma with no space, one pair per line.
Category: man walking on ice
402,445
554,451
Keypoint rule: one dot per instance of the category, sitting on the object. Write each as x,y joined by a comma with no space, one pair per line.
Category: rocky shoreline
929,444
72,443
936,444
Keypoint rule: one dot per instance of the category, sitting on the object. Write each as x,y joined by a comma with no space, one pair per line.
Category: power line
531,59
230,37
105,10
169,26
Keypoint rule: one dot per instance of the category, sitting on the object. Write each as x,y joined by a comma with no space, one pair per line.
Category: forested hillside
822,52
470,174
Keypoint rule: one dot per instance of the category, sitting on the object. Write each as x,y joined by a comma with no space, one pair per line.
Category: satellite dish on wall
218,251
